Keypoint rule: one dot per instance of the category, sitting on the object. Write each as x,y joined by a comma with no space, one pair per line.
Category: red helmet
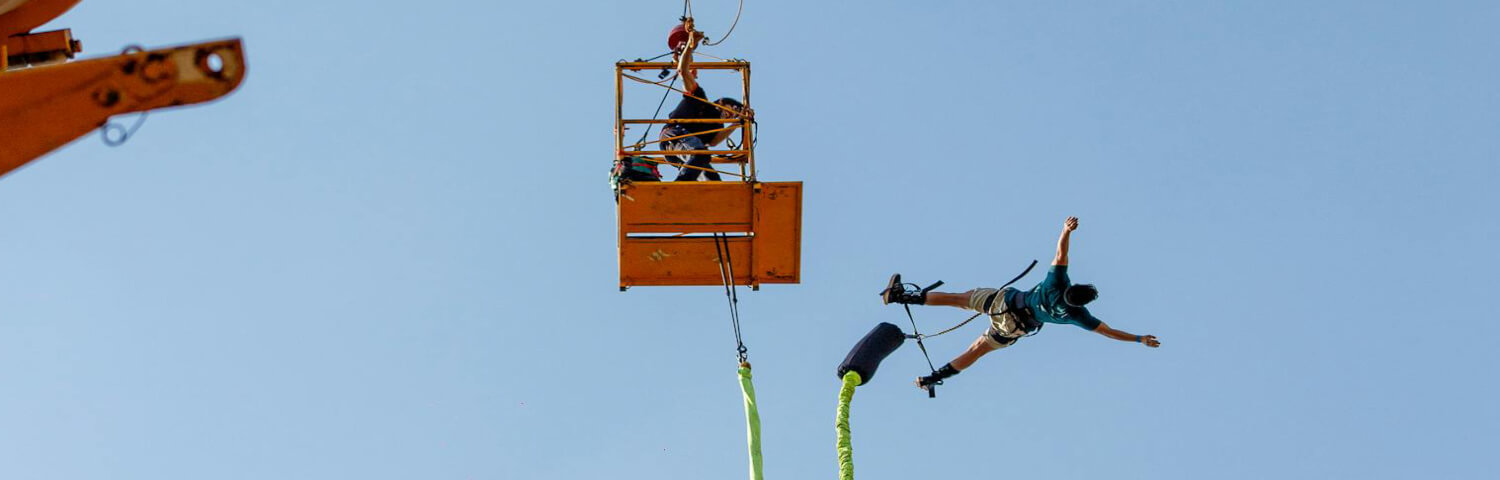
677,37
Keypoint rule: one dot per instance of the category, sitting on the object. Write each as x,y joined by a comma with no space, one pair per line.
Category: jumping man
1014,313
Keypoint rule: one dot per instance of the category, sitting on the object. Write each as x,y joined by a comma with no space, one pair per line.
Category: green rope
752,419
841,423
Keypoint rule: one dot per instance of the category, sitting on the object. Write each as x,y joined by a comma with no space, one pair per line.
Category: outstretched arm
685,59
1148,340
1062,242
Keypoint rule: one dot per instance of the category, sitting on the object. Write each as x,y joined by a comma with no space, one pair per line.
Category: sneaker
893,290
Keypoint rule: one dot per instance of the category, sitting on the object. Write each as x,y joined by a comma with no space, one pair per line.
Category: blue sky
391,252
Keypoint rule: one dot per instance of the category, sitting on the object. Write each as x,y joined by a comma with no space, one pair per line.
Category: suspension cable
731,27
726,273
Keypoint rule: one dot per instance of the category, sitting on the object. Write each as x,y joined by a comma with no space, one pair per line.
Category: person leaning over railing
694,106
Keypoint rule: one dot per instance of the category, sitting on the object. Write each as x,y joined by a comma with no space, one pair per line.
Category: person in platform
694,105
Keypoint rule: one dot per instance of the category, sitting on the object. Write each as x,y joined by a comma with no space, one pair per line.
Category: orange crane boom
47,101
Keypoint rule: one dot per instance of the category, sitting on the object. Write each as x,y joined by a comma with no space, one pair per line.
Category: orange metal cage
744,156
667,229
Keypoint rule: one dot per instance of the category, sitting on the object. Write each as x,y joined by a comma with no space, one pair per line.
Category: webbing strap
931,388
918,336
1018,277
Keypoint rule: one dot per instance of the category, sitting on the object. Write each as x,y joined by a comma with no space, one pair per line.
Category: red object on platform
677,37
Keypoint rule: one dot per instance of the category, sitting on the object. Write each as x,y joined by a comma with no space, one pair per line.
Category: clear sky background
391,255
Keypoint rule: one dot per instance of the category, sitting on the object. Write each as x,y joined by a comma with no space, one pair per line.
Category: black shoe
893,290
896,292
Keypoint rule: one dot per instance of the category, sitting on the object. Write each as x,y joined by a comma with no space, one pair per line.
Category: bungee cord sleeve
752,420
841,424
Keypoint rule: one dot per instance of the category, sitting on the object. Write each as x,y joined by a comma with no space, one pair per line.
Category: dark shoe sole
892,290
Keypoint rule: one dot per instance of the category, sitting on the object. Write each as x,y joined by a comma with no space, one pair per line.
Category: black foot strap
930,382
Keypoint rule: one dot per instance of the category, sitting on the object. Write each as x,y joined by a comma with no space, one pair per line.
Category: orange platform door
667,233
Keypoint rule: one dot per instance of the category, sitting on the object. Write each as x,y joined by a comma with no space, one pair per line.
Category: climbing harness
918,336
630,170
1031,327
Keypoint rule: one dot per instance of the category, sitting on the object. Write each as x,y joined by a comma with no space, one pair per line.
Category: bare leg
960,300
976,350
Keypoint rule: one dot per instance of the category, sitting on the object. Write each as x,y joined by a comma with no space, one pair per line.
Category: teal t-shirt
1046,300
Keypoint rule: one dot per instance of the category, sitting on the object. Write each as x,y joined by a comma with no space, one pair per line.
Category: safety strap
638,164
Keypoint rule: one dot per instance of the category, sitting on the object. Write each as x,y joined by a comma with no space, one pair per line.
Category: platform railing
743,155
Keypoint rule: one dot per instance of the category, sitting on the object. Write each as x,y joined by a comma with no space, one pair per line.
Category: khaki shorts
1005,327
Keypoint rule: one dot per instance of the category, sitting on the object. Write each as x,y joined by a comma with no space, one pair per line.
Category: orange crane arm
43,108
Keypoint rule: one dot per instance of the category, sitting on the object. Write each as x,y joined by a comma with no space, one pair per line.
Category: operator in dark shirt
687,136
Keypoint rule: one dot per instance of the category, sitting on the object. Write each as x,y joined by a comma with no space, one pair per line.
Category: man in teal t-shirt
1015,313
